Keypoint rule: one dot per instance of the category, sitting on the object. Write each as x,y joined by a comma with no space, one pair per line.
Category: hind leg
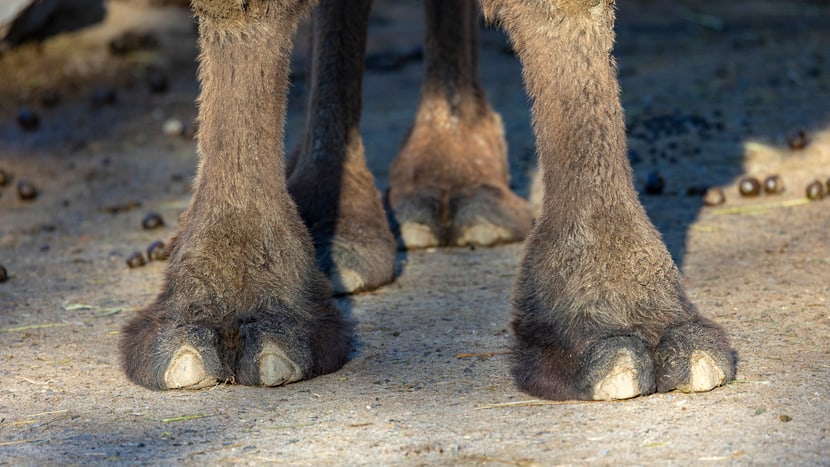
600,310
449,185
243,299
329,179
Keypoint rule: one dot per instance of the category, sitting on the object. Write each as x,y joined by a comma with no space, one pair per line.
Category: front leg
600,310
243,299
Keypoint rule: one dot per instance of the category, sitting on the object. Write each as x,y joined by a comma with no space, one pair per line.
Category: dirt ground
713,91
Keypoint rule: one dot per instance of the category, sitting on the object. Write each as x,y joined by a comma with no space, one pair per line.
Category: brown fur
598,298
594,267
242,253
450,181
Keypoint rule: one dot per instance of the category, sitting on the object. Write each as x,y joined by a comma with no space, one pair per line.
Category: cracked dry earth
713,92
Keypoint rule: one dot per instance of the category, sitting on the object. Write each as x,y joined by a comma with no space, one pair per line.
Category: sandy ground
712,90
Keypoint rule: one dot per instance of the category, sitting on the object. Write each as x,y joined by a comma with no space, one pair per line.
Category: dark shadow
37,20
697,84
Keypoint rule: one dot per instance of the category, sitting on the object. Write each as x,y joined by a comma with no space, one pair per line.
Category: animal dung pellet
798,141
28,120
655,183
136,260
152,221
749,186
815,191
714,197
26,190
157,251
773,185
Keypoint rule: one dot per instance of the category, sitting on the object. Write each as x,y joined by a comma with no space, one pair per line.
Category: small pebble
152,221
773,185
749,186
815,191
655,183
26,190
173,127
6,177
157,251
798,141
28,120
136,260
4,275
714,197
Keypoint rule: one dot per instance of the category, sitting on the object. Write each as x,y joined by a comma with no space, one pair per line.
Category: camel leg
243,299
600,311
329,180
449,185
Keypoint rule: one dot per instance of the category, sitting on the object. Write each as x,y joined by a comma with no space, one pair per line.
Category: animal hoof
704,373
187,370
357,259
347,281
622,382
417,235
275,368
484,234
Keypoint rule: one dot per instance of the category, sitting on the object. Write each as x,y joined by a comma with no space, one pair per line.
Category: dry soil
713,90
